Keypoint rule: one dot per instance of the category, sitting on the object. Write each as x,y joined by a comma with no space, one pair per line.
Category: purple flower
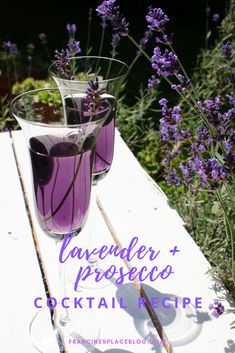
197,148
215,17
171,117
109,12
210,171
172,177
169,157
71,28
217,309
203,135
227,51
184,84
220,121
10,48
114,43
166,39
187,170
61,62
165,64
153,82
43,38
93,95
73,47
144,41
156,19
230,98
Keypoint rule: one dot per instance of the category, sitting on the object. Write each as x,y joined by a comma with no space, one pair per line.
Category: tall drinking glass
111,75
61,157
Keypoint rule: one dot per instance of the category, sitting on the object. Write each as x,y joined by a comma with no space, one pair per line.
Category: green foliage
6,120
213,74
30,84
137,126
207,219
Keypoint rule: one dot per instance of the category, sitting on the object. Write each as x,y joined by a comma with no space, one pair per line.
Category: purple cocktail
110,75
61,161
105,143
62,177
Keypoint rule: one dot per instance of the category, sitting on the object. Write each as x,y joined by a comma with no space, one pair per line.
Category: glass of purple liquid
111,74
61,159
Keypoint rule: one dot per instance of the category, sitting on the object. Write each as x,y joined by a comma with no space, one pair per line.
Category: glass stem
63,313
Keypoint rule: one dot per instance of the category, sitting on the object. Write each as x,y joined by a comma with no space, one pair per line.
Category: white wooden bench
129,204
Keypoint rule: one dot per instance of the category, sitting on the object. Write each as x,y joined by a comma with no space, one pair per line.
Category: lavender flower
220,122
231,97
62,63
153,82
227,51
10,48
144,41
172,177
204,135
197,148
215,17
165,64
93,95
187,170
169,157
71,28
73,47
157,19
110,13
43,38
171,117
210,171
166,39
217,308
184,84
114,43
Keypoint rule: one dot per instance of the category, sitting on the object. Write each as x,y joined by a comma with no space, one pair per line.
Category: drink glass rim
53,74
35,123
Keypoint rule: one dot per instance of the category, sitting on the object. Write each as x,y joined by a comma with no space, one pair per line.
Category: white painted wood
136,207
115,323
19,270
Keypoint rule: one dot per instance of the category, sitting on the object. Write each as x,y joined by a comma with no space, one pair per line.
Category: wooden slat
19,271
115,323
136,207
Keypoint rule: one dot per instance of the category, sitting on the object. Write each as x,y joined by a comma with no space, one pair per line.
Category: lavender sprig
156,19
71,28
10,48
110,13
215,17
217,309
227,51
73,47
165,64
61,63
93,96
